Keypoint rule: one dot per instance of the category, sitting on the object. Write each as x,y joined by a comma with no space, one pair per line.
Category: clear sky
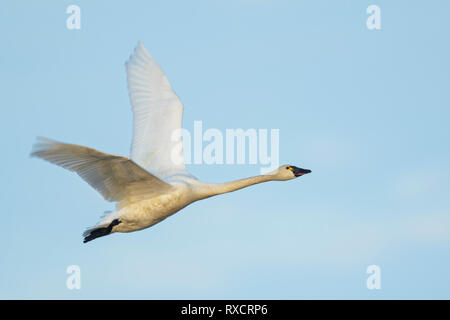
366,110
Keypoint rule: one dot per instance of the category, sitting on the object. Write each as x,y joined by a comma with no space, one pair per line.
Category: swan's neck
212,189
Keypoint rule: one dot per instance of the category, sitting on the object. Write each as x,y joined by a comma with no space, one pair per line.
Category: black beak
299,171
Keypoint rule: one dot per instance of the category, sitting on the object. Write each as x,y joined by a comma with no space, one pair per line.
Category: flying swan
153,183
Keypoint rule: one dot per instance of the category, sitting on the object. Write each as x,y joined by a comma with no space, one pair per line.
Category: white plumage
153,183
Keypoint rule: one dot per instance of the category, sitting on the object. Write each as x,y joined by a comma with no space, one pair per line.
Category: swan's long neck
211,189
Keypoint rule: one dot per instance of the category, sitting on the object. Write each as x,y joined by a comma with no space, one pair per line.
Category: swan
153,183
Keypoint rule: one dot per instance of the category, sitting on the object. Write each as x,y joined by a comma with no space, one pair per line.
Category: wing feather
115,177
157,117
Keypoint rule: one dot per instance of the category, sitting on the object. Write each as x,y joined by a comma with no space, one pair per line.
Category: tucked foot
100,232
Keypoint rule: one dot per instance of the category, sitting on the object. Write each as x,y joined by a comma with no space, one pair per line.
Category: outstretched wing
116,178
157,143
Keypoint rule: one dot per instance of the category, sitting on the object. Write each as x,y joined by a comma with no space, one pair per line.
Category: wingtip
140,55
39,142
136,52
139,46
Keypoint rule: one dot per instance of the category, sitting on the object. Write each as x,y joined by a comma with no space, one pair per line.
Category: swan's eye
287,168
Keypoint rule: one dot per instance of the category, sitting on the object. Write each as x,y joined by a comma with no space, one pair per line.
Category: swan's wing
157,143
116,178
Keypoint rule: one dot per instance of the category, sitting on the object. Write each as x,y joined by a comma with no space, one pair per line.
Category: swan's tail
99,231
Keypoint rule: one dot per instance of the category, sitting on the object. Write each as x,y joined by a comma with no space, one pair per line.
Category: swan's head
288,172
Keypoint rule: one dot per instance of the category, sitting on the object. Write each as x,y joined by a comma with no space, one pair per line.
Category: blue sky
367,111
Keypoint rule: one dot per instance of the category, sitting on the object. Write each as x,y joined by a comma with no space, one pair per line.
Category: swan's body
154,183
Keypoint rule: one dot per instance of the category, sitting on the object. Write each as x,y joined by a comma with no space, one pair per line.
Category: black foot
100,232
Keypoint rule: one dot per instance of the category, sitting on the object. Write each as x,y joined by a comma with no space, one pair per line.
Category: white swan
154,183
